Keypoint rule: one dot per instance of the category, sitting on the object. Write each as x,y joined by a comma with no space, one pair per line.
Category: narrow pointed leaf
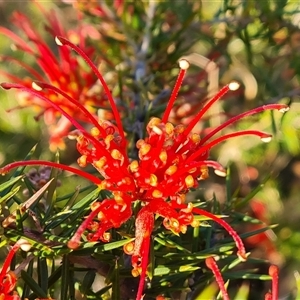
33,285
8,184
42,269
116,283
113,245
65,278
87,282
10,194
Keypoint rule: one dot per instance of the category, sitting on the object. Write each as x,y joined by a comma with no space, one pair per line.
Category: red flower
172,160
65,72
8,279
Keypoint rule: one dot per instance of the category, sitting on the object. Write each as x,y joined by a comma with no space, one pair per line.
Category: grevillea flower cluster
8,278
171,161
64,72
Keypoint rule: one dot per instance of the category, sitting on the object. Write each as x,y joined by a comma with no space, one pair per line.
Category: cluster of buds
171,161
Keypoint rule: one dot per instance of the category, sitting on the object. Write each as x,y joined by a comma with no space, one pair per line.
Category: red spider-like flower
171,161
63,71
8,279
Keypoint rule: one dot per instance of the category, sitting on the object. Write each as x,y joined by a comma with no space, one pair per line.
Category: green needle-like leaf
33,285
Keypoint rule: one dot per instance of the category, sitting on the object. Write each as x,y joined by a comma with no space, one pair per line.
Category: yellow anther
189,181
179,128
106,236
144,149
116,154
181,199
135,272
169,128
101,216
183,229
204,173
134,166
108,139
168,142
118,198
195,223
82,161
95,132
188,209
174,223
128,248
157,194
140,143
171,170
102,185
153,122
163,156
80,138
100,163
95,205
190,206
153,180
195,138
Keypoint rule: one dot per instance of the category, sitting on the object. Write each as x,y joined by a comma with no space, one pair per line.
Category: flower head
64,72
8,278
171,161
